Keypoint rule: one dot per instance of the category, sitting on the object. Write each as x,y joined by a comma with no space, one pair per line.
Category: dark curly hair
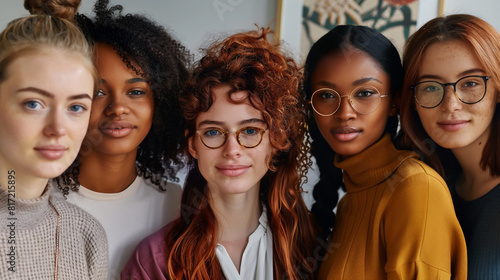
382,51
249,62
164,63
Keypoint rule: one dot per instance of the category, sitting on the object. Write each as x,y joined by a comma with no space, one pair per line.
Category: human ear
191,148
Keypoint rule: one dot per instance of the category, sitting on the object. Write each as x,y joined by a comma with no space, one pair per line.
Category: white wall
485,9
194,22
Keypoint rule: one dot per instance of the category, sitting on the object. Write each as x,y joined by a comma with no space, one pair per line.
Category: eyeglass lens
470,90
248,137
363,100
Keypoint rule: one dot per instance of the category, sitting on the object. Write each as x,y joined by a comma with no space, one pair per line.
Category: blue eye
33,105
77,108
212,132
250,131
432,88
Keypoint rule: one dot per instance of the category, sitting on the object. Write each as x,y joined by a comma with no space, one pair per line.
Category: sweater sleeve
422,236
97,251
148,260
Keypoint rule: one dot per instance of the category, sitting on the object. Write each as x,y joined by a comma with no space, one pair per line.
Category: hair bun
59,8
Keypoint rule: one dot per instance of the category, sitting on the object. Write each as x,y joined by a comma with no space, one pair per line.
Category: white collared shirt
257,259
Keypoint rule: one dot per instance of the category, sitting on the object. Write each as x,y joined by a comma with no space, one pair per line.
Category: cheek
426,118
146,111
322,123
96,112
19,127
78,129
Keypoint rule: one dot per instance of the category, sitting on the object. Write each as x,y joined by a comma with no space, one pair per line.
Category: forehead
59,72
343,68
449,59
109,63
229,112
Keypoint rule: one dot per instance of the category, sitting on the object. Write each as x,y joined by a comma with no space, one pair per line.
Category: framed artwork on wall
396,19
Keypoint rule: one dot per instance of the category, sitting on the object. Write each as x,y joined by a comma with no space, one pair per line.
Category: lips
233,170
453,125
116,129
346,133
51,152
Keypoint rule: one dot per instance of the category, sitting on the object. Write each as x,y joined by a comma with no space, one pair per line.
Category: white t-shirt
257,259
129,216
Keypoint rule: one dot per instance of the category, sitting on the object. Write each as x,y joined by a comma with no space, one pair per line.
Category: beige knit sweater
28,238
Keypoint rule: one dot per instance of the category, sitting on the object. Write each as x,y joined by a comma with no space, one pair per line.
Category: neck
107,173
22,185
237,215
474,182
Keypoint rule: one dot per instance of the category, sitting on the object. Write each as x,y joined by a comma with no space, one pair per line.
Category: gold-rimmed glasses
363,99
247,137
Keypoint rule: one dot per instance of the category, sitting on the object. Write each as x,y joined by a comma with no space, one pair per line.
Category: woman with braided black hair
396,220
132,146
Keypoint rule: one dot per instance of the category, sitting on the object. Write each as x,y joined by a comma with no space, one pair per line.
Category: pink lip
452,125
117,129
51,152
233,170
346,133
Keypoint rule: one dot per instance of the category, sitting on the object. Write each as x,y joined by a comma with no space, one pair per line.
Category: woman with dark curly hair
396,220
136,129
243,216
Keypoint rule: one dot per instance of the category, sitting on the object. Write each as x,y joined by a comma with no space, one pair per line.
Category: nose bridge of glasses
454,88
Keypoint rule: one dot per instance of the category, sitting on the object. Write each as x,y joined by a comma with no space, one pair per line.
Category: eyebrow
50,95
129,81
461,74
355,83
243,122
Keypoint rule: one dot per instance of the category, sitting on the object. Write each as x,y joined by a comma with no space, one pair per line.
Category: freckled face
347,131
122,109
231,169
453,124
45,104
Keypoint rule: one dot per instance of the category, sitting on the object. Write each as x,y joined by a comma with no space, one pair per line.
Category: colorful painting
396,19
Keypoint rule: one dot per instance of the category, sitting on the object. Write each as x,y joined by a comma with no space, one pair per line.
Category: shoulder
149,258
155,243
77,218
416,186
413,173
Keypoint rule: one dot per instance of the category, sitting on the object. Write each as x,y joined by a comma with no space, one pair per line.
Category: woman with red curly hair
242,213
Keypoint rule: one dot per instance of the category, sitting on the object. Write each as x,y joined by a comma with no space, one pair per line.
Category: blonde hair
50,27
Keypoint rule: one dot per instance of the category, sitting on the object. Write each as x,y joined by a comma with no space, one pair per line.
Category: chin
49,171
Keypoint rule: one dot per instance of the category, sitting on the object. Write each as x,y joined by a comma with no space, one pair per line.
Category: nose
232,148
345,111
55,124
450,100
117,107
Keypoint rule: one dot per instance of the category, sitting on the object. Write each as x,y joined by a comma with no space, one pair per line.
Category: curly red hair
249,62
